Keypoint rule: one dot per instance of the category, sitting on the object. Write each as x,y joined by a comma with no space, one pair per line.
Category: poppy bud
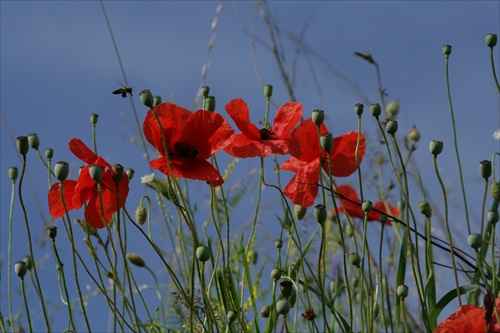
367,206
358,108
95,171
402,291
320,213
52,232
13,173
136,259
278,244
205,91
20,268
425,208
392,109
232,316
210,103
61,170
391,127
265,310
475,241
495,190
326,141
436,147
147,98
493,216
29,262
447,50
318,117
268,90
118,174
383,219
93,118
283,307
299,212
34,141
202,253
276,274
375,110
22,145
130,174
49,153
414,135
141,214
286,288
156,100
485,169
491,40
355,259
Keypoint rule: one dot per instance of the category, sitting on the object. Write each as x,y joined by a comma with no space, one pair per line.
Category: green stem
493,69
25,305
9,255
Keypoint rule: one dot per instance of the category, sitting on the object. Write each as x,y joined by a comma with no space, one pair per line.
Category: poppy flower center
185,150
267,134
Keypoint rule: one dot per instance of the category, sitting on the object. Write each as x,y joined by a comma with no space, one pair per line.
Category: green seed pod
95,171
265,310
367,206
375,110
278,244
93,118
425,208
118,174
286,288
283,307
383,219
447,50
147,98
436,147
205,91
136,259
202,253
491,40
61,170
299,212
320,213
268,90
29,262
52,232
485,169
414,135
495,190
13,172
34,141
49,153
318,117
232,316
358,108
141,214
392,109
20,268
156,100
402,291
23,145
493,216
355,259
326,141
130,174
211,103
391,127
276,274
475,241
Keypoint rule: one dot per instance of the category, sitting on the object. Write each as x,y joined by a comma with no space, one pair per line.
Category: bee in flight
123,91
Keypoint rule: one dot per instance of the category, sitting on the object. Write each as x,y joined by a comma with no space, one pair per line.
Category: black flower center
267,134
185,150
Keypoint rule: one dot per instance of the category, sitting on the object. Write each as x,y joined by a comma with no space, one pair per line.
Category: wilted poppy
190,139
303,187
253,142
353,205
471,319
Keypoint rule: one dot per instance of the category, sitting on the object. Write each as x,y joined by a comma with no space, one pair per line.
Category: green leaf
450,296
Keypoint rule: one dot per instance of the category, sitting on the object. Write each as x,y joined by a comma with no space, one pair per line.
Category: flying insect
123,91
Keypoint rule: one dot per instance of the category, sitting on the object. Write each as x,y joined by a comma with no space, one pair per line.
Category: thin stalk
9,254
25,305
493,69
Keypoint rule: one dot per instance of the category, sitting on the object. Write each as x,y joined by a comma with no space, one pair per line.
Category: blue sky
58,65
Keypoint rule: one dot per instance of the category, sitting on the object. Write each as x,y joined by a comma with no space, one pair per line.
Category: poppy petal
237,109
343,154
80,150
303,187
306,139
191,169
56,206
286,118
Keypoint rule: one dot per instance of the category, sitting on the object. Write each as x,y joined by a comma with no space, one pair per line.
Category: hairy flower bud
485,169
13,172
268,90
358,108
491,40
136,259
141,214
320,213
93,118
375,110
436,147
447,50
392,109
391,127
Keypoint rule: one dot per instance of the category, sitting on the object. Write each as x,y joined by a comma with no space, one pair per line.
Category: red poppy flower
191,138
75,193
469,318
254,142
354,210
303,187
